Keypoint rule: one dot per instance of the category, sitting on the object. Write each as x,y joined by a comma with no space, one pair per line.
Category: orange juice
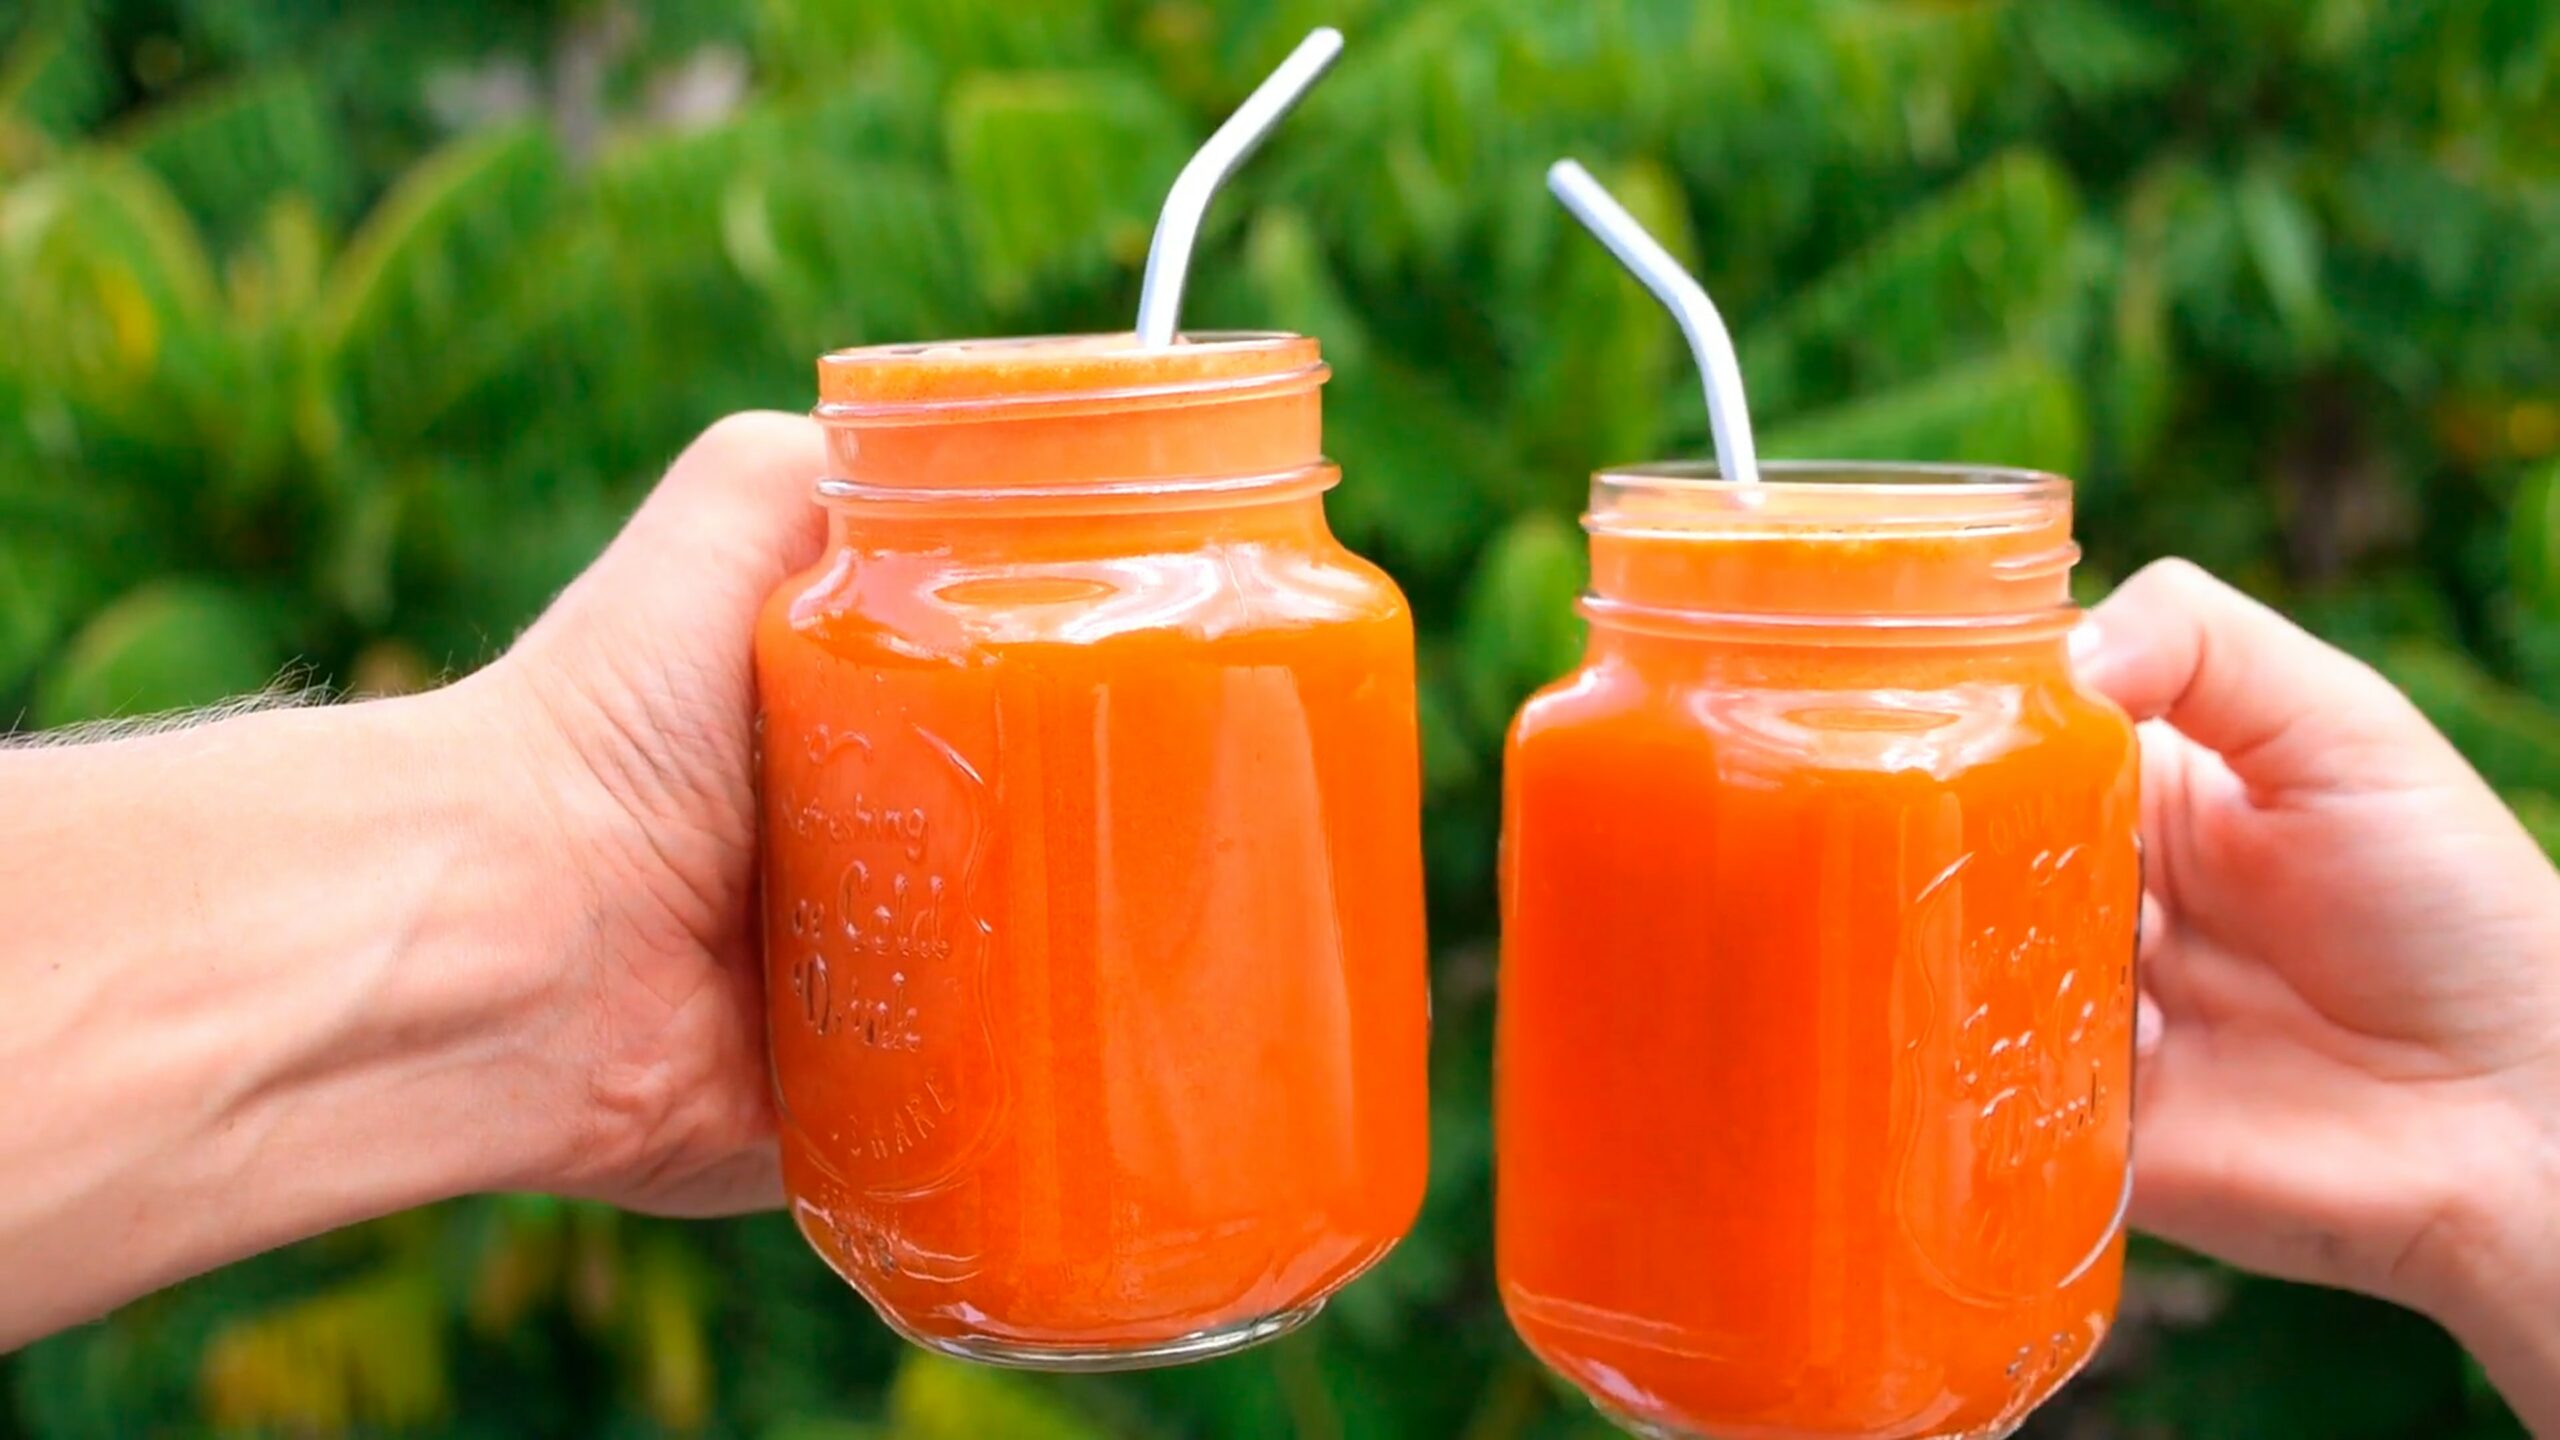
1819,893
1092,854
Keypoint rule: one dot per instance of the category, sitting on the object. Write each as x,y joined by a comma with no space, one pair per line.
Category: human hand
2351,1071
633,698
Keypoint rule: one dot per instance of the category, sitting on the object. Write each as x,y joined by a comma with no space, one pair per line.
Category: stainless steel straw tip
1178,226
1679,291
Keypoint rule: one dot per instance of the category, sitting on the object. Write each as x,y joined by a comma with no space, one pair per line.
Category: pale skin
281,972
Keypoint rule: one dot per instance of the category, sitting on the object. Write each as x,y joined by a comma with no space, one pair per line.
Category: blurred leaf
852,252
2095,49
1977,266
169,646
1059,173
42,588
54,75
368,1354
1421,480
670,1353
98,258
1590,391
937,1399
424,265
2514,742
1520,629
1449,759
231,150
1294,287
2533,531
519,1262
2284,242
2016,410
2139,365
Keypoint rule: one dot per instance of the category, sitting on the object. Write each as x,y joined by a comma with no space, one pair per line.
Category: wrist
505,946
429,972
2495,1282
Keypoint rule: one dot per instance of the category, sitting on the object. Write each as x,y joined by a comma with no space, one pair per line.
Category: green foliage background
338,335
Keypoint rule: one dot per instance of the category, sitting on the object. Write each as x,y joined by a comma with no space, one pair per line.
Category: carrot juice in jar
1093,888
1820,888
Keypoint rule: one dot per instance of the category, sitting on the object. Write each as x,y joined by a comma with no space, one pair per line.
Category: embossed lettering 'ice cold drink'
1820,891
1092,858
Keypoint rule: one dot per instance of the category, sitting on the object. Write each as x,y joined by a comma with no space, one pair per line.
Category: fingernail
2146,1025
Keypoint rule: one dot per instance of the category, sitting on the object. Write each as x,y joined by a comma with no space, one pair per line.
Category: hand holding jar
2351,1070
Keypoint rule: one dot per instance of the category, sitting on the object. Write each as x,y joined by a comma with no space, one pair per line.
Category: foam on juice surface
1006,368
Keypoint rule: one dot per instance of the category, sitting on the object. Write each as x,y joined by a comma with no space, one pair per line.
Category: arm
280,972
265,977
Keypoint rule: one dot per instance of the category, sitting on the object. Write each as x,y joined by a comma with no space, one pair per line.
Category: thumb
2285,710
734,512
730,520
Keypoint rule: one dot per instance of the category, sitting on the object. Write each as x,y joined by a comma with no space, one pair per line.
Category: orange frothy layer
964,371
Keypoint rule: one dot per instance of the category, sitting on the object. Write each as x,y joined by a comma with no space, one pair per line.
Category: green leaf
230,151
429,260
367,1355
2284,245
852,252
1520,628
2013,410
1985,264
2095,50
1294,288
2139,366
937,1399
43,588
55,76
1449,758
1600,348
817,43
2513,741
1059,174
98,258
1423,477
2533,542
169,646
670,1353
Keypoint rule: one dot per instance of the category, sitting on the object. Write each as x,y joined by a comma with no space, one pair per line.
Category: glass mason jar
1093,877
1820,885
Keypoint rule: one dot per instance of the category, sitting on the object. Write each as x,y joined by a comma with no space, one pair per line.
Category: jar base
1647,1430
1097,1359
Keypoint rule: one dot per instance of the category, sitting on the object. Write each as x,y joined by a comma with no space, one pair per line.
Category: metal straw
1178,227
1727,415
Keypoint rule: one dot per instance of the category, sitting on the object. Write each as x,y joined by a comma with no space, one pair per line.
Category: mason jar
1820,886
1092,859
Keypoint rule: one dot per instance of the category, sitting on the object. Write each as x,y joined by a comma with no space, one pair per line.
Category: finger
2284,710
738,502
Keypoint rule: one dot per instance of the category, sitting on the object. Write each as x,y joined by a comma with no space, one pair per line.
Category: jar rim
1879,547
1839,499
1892,477
1006,377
